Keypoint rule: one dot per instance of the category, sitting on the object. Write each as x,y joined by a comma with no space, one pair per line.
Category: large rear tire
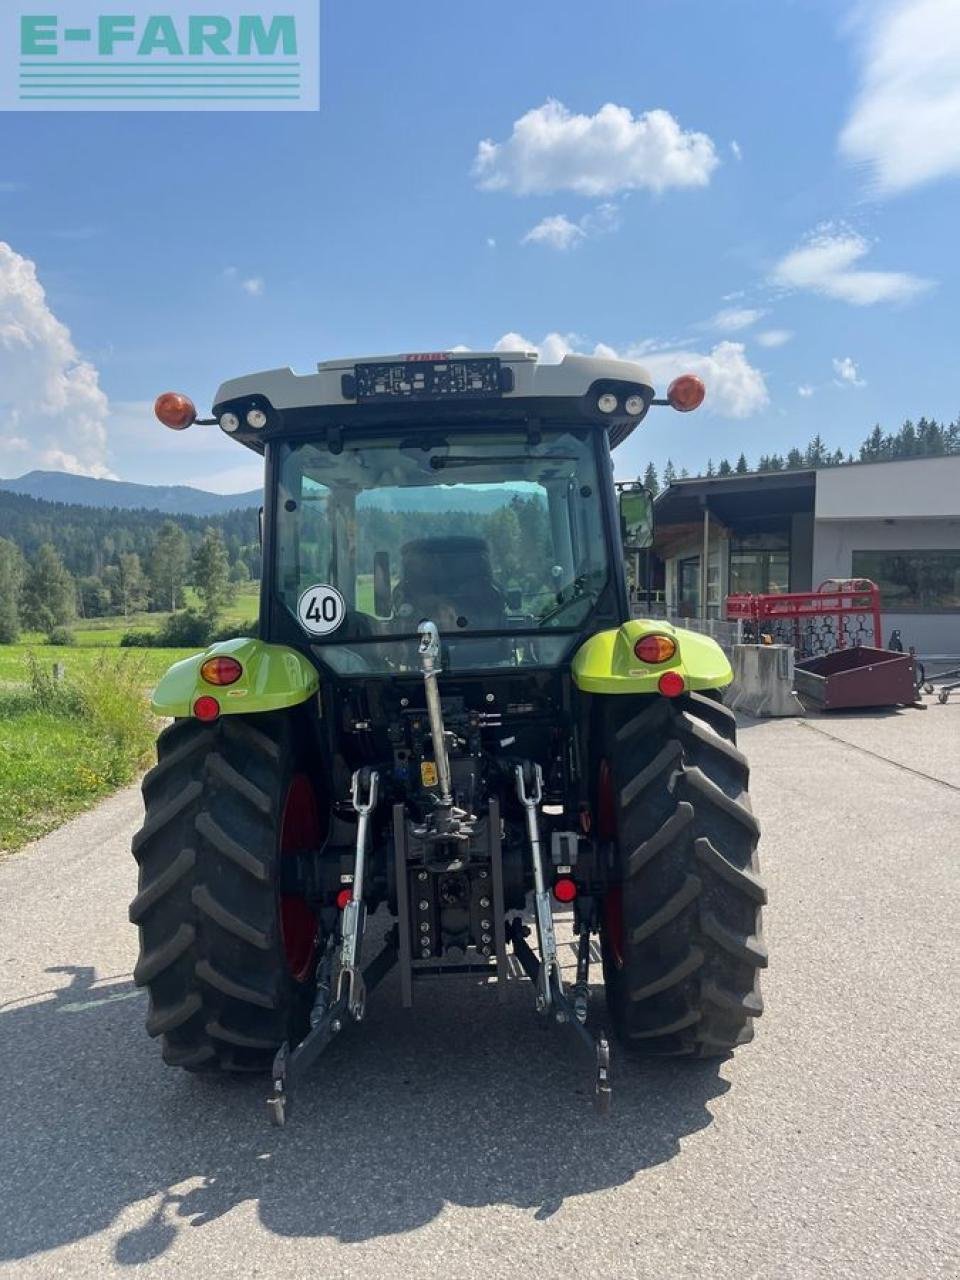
227,959
681,933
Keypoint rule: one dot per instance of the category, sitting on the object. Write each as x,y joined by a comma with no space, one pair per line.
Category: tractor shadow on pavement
463,1101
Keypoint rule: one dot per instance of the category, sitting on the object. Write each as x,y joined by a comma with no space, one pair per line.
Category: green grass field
14,669
64,746
66,743
97,632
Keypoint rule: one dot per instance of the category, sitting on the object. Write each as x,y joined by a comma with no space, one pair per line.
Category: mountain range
179,499
83,491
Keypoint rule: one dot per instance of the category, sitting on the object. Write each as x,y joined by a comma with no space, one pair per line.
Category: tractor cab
449,713
475,491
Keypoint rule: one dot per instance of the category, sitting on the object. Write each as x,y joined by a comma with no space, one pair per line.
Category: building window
912,581
760,562
688,587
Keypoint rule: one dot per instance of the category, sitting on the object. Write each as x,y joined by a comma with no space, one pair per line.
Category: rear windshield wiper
449,461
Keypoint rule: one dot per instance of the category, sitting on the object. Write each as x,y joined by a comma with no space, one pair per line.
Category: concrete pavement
458,1141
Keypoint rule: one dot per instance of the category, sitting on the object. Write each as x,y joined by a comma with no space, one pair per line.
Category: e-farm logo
79,55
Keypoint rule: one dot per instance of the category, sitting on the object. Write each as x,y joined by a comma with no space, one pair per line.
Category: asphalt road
458,1141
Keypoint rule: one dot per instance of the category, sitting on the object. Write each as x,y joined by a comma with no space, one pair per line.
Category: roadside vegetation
75,724
80,653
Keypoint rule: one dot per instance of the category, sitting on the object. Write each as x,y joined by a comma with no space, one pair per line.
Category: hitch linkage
544,972
342,984
353,983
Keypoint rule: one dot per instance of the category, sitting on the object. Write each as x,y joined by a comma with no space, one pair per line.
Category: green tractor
448,716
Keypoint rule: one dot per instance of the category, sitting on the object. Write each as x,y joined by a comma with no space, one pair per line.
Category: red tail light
221,671
175,411
564,889
671,684
206,708
686,392
343,897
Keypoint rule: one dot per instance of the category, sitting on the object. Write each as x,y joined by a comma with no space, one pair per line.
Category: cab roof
448,387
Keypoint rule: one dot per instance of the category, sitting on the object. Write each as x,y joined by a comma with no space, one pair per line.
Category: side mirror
382,593
636,519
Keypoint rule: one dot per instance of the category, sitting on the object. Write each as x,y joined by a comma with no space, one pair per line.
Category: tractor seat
448,578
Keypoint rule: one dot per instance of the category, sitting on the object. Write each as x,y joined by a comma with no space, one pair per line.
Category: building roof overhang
738,497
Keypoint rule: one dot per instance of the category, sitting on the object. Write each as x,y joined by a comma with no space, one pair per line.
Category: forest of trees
61,563
926,438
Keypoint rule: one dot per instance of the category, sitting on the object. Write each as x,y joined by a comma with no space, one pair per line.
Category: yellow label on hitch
428,773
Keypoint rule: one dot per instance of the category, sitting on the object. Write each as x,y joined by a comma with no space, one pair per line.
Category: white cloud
733,319
826,263
847,373
253,286
558,232
551,350
49,395
905,122
552,149
735,389
491,242
736,150
805,390
774,337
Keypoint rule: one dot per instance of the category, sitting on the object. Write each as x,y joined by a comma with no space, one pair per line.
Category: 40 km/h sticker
321,609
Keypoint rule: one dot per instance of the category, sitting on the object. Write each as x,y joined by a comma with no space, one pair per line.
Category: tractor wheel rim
299,829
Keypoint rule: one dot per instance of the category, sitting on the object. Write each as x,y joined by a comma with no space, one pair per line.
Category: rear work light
175,411
686,393
206,708
671,684
655,648
221,671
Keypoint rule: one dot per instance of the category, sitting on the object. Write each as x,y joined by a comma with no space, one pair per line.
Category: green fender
274,677
606,662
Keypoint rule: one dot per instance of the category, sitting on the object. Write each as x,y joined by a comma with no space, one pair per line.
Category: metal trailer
836,633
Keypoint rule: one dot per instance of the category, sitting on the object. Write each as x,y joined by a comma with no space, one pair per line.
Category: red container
858,677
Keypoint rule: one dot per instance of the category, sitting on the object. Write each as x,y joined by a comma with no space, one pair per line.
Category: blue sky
763,190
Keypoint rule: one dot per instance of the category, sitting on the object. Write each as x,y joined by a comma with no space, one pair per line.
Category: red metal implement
841,613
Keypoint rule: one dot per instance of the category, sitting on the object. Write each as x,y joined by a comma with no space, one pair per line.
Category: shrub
248,630
139,640
185,629
61,636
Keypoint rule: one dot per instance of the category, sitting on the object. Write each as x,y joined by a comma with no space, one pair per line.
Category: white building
897,523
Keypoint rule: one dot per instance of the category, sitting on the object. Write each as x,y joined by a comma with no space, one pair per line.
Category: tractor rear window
484,534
